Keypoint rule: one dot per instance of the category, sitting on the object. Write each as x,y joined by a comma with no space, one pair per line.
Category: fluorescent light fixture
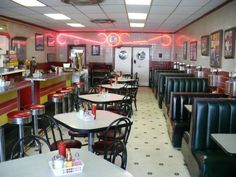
75,24
58,16
1,28
29,3
139,25
138,2
137,16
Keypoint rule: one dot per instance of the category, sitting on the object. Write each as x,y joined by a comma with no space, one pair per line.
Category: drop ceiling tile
157,17
137,9
112,2
166,2
7,3
162,9
96,16
21,10
117,15
193,2
54,3
186,10
43,10
90,9
66,9
113,8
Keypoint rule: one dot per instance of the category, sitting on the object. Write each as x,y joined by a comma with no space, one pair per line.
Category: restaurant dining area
117,88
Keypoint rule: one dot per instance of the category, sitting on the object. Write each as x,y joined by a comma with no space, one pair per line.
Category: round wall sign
141,55
123,55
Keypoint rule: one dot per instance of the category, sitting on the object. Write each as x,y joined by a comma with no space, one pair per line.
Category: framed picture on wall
39,41
205,45
193,51
185,49
50,41
95,50
229,43
216,49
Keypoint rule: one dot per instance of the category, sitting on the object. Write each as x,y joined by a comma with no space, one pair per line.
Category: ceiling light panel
75,24
58,16
29,3
139,2
137,16
139,25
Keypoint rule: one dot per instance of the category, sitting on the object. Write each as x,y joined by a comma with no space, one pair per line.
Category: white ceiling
163,15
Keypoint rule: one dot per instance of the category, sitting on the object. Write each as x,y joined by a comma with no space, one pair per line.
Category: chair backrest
124,109
82,103
93,90
117,126
15,150
49,122
117,149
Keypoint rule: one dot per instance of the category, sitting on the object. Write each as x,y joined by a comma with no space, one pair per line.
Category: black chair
49,122
17,153
117,130
117,149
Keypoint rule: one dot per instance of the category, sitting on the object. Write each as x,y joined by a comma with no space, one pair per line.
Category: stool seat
19,117
55,95
69,88
36,109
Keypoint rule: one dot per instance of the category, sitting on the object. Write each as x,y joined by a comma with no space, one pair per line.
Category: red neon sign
115,39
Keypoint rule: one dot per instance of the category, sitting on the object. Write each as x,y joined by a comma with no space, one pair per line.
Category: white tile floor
150,152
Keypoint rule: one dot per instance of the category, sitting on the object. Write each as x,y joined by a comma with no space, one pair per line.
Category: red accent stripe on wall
52,88
8,106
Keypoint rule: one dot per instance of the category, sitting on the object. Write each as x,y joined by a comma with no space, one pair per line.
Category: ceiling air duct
82,2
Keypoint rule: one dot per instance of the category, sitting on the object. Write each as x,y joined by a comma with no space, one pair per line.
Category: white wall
223,18
106,51
28,31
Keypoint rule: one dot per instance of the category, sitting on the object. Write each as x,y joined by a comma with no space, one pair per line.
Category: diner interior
117,88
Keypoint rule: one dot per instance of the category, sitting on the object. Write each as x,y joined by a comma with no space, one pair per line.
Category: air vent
82,2
102,20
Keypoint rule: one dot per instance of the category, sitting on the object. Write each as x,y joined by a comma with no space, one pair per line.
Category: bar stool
20,118
66,100
56,98
36,110
71,100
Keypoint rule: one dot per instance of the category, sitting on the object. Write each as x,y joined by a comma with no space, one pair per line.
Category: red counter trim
8,106
52,88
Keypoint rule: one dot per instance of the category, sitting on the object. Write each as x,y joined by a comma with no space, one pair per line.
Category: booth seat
182,84
204,158
162,84
156,78
178,120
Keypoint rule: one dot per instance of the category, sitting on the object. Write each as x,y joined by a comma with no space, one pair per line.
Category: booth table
226,141
37,166
73,122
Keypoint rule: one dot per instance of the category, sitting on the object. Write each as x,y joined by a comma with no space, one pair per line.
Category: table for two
74,122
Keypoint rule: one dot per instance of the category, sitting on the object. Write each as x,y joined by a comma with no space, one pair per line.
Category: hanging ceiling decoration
82,2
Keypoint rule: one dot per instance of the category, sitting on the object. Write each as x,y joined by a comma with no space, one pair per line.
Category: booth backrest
179,99
211,115
162,81
156,77
183,84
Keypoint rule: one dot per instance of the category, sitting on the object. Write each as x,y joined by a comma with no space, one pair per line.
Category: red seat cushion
34,106
18,114
69,88
77,134
99,146
56,95
69,144
64,91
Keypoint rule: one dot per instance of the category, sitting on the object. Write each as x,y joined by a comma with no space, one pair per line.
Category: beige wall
223,18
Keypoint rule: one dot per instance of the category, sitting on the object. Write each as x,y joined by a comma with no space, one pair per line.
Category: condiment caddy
64,164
